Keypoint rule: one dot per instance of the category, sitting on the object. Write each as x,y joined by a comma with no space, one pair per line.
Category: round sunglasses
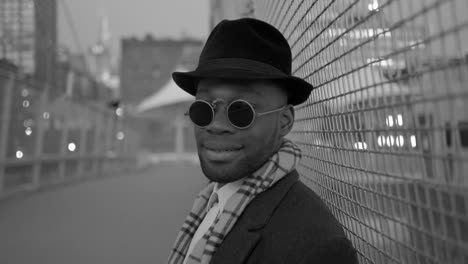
241,114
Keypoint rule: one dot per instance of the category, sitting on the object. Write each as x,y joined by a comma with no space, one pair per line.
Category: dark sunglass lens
201,113
240,114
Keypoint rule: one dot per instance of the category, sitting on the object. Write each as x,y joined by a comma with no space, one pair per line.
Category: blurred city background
98,163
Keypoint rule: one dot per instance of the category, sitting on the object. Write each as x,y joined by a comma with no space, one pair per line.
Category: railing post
108,150
118,142
117,129
179,134
63,147
97,142
128,138
128,142
82,146
38,149
63,151
6,118
135,144
113,141
125,151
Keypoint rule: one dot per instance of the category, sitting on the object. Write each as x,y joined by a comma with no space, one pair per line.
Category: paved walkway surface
118,219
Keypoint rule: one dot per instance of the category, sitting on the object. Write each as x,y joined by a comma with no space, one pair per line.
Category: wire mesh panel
385,133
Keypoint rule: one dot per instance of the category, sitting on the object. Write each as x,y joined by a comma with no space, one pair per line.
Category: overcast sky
162,18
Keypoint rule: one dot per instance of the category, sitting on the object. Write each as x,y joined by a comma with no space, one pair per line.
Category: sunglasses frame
213,112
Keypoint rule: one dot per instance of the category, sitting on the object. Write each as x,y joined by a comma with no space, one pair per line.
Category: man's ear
287,120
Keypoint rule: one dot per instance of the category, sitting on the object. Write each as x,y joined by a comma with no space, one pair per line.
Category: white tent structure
169,94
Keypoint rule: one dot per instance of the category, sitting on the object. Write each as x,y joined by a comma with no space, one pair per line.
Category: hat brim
298,89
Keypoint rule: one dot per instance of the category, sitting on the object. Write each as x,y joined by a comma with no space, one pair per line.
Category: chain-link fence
385,132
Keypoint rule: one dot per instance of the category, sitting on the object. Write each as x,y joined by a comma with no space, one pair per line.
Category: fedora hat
246,49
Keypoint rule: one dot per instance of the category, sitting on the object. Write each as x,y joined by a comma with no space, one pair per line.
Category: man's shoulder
302,199
293,225
291,206
302,228
302,209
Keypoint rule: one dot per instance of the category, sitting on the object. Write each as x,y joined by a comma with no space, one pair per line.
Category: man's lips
217,152
221,146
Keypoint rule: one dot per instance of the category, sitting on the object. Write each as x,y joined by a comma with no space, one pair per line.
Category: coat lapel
236,247
244,236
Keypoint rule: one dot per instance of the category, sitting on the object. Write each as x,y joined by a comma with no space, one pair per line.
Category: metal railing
46,141
385,133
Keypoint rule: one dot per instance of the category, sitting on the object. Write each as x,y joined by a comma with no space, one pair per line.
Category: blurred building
230,9
75,81
17,33
146,64
28,36
28,40
45,41
102,63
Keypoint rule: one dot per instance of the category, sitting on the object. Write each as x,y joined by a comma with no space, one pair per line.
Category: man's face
227,153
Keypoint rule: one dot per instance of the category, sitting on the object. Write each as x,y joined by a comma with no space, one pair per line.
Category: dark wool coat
288,223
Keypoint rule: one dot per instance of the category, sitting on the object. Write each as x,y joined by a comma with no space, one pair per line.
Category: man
255,210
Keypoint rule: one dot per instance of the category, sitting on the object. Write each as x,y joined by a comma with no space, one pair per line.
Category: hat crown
246,49
249,39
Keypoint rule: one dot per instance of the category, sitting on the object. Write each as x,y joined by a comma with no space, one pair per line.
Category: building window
448,134
463,130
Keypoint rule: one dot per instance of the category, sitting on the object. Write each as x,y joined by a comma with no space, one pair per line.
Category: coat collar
238,244
260,209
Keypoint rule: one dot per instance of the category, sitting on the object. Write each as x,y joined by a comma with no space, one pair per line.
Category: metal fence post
113,141
63,147
63,151
117,129
39,144
6,118
135,142
97,142
108,139
82,149
179,134
124,144
118,142
128,138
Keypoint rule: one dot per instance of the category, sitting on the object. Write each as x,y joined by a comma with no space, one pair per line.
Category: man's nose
220,123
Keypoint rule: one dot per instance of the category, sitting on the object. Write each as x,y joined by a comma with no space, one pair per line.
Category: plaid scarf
277,166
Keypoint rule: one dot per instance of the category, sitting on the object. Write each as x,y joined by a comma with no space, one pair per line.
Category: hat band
240,64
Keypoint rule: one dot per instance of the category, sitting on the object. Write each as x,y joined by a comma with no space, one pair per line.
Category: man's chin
221,172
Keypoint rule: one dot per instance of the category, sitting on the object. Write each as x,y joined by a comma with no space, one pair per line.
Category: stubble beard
223,174
233,172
